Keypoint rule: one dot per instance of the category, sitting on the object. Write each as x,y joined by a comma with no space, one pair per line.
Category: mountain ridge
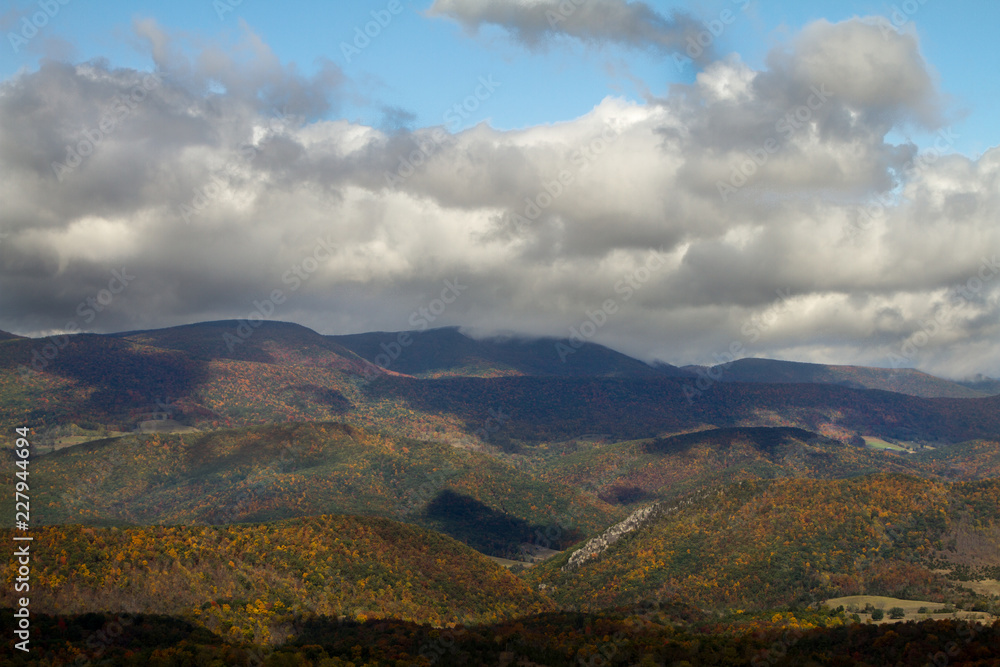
908,381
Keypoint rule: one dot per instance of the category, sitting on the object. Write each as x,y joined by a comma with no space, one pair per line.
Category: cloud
536,22
690,213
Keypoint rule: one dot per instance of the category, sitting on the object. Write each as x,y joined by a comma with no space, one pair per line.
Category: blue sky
851,226
425,64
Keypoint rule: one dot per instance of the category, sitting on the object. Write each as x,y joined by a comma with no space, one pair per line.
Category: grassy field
915,610
878,443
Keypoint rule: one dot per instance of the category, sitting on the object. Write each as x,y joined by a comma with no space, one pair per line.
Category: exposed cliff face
595,546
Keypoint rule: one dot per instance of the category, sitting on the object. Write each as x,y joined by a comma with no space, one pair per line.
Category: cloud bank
765,208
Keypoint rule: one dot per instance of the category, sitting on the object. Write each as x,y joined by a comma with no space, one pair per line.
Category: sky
685,182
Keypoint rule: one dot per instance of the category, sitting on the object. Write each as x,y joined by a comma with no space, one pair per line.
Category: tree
877,614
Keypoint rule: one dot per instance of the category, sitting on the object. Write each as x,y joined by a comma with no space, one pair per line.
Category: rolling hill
251,581
761,544
636,472
277,472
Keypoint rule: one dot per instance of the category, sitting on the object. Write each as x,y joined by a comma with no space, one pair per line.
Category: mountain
902,380
267,342
760,544
8,336
447,352
280,373
214,374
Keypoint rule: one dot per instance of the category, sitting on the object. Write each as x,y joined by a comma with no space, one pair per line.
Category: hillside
8,336
547,409
277,472
447,352
250,581
636,472
902,380
766,543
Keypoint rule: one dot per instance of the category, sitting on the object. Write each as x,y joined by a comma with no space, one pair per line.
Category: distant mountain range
901,380
447,352
444,385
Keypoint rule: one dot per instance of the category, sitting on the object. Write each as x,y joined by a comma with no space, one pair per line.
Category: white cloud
651,182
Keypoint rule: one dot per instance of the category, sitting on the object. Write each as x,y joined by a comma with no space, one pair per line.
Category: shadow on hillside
767,440
488,530
125,379
327,397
